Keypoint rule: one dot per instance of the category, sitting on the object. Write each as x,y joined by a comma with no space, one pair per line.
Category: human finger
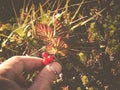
46,76
17,64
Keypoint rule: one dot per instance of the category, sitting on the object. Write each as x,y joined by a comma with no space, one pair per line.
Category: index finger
17,64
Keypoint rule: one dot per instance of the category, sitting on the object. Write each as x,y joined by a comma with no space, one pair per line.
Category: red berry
44,54
50,58
45,61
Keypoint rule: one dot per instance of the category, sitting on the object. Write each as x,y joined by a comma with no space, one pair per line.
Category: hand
13,68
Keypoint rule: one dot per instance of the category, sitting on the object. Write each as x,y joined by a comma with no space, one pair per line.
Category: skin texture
11,70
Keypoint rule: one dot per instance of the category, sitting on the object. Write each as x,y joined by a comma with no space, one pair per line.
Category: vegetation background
83,35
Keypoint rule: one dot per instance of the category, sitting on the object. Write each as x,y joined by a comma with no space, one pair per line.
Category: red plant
59,28
54,43
44,32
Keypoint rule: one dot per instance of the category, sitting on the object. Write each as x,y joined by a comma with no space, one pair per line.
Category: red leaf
44,31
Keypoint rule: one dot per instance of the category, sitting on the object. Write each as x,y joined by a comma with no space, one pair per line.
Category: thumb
46,76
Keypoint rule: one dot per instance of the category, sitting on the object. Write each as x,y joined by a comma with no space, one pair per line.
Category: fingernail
54,67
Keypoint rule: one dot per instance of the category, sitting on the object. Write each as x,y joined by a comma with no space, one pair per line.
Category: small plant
82,36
